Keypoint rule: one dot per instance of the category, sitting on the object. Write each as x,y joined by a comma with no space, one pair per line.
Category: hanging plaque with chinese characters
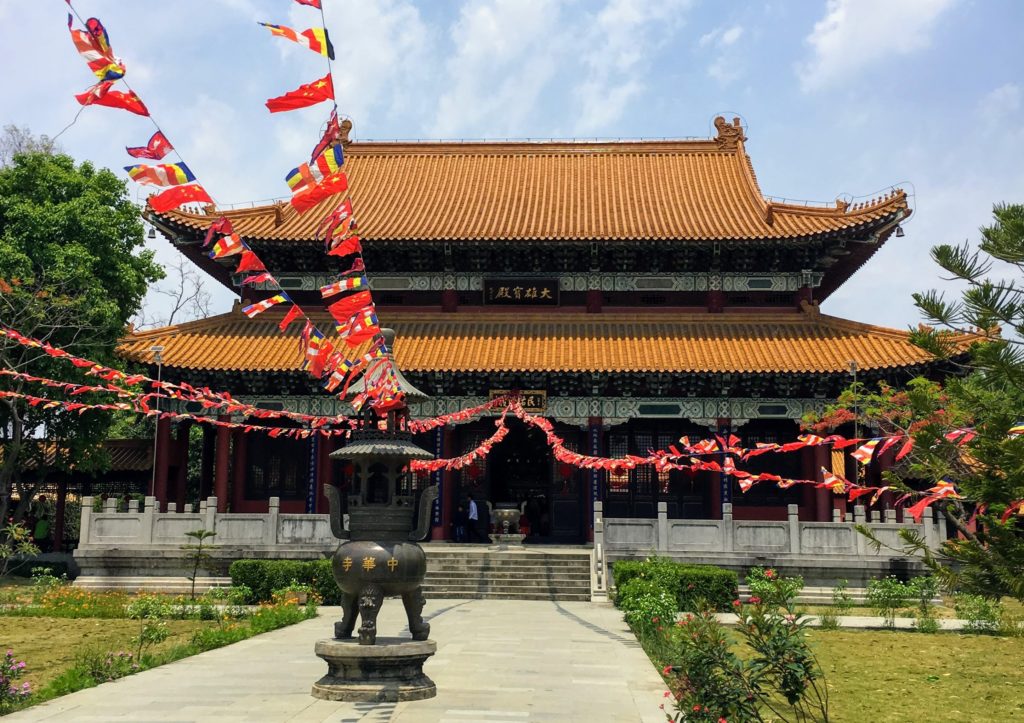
532,400
521,292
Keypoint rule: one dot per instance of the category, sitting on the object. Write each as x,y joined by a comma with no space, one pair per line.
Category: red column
715,301
823,495
163,444
594,301
808,511
595,432
220,479
206,466
442,531
449,301
181,455
238,481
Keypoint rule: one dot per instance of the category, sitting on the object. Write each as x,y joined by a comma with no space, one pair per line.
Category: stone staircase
513,573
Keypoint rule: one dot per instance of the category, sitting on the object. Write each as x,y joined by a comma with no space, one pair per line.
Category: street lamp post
159,359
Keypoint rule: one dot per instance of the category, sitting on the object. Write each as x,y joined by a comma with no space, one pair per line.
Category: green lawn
876,676
49,645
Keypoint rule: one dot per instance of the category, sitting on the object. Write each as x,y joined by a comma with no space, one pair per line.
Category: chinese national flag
155,150
343,309
303,96
101,94
249,262
311,3
178,196
330,186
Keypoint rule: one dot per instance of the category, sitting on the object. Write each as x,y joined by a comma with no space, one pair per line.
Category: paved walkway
497,661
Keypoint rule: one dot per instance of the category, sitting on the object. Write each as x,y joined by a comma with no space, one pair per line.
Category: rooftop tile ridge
186,326
533,147
895,199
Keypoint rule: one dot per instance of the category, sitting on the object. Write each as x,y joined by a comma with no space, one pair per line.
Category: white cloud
855,34
620,41
1002,103
725,66
506,52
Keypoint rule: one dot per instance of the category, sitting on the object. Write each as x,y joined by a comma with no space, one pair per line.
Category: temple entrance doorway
522,472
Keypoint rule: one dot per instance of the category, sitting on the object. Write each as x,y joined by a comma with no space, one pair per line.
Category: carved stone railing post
85,524
662,526
860,518
728,528
210,513
793,517
272,521
148,519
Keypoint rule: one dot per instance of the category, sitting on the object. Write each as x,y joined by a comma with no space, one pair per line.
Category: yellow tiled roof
578,191
610,342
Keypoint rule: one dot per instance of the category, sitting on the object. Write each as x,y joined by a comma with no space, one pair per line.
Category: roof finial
729,136
346,129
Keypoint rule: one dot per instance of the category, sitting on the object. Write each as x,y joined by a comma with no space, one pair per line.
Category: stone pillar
238,478
595,301
163,444
206,466
85,521
793,518
223,460
662,526
181,455
449,301
823,496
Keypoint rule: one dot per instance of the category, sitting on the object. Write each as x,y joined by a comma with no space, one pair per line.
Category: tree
17,140
72,272
965,429
186,297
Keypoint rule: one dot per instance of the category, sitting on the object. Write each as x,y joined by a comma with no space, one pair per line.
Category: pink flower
696,709
666,694
736,603
655,619
769,574
667,670
755,600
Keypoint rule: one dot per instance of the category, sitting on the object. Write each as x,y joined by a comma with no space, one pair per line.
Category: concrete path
497,661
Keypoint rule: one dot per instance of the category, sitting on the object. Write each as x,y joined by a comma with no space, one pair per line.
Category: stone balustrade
822,552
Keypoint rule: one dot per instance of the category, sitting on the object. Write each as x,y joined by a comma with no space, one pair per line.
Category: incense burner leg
414,602
370,599
350,608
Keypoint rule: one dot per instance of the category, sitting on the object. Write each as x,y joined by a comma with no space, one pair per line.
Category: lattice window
618,446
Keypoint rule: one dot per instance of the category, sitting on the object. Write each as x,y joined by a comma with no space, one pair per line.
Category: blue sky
839,96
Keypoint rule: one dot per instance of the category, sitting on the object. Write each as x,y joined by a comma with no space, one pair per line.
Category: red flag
343,309
178,196
331,134
316,367
249,261
311,3
222,225
303,96
156,149
293,313
333,184
349,246
101,94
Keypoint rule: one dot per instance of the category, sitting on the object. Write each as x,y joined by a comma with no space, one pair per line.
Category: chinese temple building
633,291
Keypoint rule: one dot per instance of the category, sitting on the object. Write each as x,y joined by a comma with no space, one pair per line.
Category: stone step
507,586
478,595
575,579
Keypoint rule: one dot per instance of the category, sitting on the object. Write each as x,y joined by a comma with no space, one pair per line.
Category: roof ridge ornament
810,308
729,136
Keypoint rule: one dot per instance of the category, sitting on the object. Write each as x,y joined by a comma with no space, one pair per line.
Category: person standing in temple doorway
473,521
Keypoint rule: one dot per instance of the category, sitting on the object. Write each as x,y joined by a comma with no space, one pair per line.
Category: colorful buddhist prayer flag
316,39
101,94
313,342
155,150
259,307
316,366
336,223
258,279
343,285
864,453
179,196
94,46
832,481
168,174
338,183
303,96
364,327
227,246
308,175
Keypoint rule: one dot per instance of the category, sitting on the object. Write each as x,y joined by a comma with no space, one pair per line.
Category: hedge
265,576
691,584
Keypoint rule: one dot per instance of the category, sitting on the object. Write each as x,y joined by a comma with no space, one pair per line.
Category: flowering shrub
771,587
888,596
980,615
104,667
646,604
11,692
771,674
65,601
